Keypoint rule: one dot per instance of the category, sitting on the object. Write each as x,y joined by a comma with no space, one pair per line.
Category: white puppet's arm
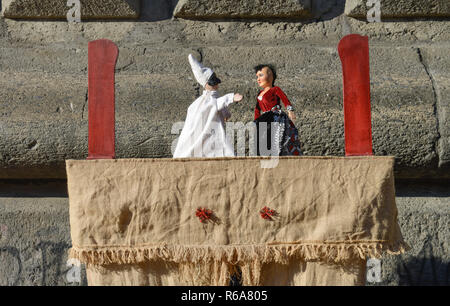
225,101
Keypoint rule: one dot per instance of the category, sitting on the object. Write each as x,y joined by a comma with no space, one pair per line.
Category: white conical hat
202,74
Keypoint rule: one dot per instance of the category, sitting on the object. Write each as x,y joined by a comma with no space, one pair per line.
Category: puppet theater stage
135,221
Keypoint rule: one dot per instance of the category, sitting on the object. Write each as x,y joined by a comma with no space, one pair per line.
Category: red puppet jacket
270,99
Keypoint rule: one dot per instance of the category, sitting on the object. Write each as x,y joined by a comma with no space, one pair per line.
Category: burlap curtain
133,221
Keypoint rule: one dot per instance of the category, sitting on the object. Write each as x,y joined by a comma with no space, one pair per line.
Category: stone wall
43,104
58,9
427,9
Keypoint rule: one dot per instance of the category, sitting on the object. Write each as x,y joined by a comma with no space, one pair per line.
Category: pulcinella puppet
203,133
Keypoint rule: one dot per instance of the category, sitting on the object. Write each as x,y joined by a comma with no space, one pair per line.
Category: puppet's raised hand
237,97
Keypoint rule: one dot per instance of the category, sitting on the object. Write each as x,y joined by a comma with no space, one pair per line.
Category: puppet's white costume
203,134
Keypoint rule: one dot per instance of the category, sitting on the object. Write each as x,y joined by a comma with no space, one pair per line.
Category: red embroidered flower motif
266,213
203,214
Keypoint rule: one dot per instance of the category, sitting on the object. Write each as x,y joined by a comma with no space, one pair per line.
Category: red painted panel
354,53
102,59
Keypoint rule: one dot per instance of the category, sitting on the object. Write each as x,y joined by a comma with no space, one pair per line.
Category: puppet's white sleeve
224,101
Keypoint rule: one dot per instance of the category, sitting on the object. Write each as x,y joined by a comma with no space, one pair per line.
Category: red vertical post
354,53
102,57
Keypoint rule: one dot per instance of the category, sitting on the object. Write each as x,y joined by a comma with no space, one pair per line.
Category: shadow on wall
326,9
23,188
422,188
424,270
156,10
50,266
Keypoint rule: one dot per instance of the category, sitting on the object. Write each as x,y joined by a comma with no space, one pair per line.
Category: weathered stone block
436,63
249,9
400,8
58,9
424,215
34,240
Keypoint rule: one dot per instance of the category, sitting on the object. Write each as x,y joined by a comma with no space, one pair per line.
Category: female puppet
203,133
268,115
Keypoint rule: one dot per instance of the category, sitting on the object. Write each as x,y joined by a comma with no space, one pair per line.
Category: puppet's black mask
213,80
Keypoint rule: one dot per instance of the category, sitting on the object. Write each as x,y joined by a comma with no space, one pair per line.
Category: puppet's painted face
264,77
209,87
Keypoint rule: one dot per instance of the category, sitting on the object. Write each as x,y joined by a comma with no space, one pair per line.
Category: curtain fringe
325,252
213,265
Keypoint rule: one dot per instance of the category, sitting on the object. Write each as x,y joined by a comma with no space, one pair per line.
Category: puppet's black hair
271,67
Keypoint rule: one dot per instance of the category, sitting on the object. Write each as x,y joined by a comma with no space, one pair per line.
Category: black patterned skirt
278,135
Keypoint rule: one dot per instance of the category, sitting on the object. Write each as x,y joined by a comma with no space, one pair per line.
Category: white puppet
203,133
